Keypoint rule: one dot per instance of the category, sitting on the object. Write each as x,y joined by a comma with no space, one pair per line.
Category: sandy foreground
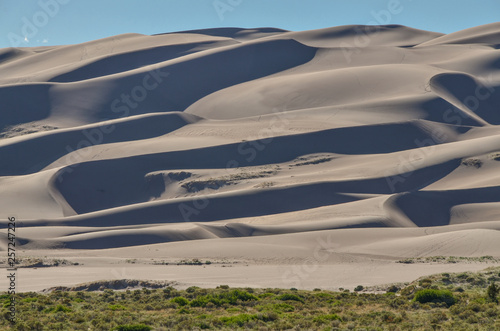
312,159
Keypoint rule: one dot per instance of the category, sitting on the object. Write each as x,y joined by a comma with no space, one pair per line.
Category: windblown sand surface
286,159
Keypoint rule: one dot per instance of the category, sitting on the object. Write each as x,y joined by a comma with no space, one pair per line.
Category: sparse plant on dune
358,288
495,156
472,162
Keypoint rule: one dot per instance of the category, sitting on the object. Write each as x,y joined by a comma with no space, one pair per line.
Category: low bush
289,296
238,320
431,295
492,292
230,297
181,301
358,288
326,318
135,327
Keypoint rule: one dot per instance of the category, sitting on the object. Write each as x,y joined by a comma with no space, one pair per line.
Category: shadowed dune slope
31,154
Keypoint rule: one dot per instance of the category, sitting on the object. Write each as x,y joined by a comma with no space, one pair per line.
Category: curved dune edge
257,146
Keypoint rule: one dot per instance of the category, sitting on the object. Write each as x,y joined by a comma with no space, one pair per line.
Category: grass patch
290,296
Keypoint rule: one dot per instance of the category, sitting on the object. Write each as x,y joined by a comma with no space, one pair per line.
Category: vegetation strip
460,301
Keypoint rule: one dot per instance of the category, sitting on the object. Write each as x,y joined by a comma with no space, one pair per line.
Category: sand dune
483,34
258,146
238,34
363,35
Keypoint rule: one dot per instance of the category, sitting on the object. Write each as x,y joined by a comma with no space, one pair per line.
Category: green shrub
492,292
192,289
58,308
116,307
184,310
431,295
204,325
322,319
438,317
268,316
276,307
30,300
358,288
135,327
283,307
203,300
393,289
492,312
230,297
233,296
426,282
181,301
389,317
265,295
408,291
238,320
324,295
289,296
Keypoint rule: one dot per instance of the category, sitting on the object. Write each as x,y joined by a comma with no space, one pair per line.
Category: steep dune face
17,109
220,133
476,100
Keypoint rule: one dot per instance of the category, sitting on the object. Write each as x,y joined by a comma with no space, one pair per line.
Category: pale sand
307,158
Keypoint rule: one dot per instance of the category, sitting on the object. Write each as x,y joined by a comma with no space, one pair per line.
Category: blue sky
27,23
